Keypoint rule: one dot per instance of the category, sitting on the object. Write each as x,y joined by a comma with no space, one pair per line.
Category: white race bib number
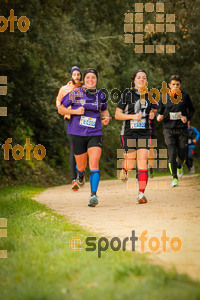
175,115
137,124
88,122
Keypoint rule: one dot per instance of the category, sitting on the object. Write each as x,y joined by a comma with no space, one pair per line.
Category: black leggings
189,160
72,161
176,139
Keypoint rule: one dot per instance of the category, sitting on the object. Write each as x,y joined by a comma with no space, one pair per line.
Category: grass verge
40,264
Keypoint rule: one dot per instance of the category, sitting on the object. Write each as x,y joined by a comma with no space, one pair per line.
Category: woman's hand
183,119
105,117
160,118
105,120
151,115
137,117
80,111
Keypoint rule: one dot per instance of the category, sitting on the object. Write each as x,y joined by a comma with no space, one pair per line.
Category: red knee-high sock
142,179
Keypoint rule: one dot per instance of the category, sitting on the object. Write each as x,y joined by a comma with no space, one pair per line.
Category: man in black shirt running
175,113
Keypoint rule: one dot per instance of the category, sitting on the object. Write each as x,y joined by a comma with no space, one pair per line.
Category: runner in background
75,82
87,106
135,133
193,136
175,114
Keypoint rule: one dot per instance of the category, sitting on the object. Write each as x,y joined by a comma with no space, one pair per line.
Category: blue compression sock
94,180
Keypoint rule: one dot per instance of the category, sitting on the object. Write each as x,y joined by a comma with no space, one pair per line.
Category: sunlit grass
40,264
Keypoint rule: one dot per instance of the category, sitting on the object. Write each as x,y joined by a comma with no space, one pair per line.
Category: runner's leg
80,152
172,160
129,160
189,160
182,144
81,162
142,158
171,141
72,161
94,154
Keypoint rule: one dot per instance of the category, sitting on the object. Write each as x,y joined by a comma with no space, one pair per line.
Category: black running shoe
81,179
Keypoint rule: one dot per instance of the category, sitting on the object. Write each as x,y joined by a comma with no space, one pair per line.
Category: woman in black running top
135,134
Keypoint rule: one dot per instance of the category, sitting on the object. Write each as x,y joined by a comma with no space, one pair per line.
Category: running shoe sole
75,186
141,201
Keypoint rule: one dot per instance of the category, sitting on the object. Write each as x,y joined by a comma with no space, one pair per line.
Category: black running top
172,111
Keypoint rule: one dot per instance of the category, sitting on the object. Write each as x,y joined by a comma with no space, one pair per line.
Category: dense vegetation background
85,33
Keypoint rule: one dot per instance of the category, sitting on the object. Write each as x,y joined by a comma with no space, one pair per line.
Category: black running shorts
82,143
130,143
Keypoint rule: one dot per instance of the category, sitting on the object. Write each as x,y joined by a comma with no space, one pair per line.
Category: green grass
40,264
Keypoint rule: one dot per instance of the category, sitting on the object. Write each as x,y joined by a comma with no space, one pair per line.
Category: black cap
75,68
90,70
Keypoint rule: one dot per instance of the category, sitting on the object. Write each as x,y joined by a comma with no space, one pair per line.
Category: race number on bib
189,141
88,122
137,124
175,115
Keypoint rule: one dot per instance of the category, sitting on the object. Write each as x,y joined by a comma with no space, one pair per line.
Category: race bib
88,122
137,124
175,115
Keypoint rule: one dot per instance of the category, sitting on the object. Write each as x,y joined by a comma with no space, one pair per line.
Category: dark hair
90,70
134,75
175,77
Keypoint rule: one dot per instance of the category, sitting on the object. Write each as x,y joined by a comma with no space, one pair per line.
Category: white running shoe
180,172
141,199
174,182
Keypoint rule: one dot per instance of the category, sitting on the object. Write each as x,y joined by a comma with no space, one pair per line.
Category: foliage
63,33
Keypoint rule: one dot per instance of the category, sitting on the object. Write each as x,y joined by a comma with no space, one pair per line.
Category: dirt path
176,210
